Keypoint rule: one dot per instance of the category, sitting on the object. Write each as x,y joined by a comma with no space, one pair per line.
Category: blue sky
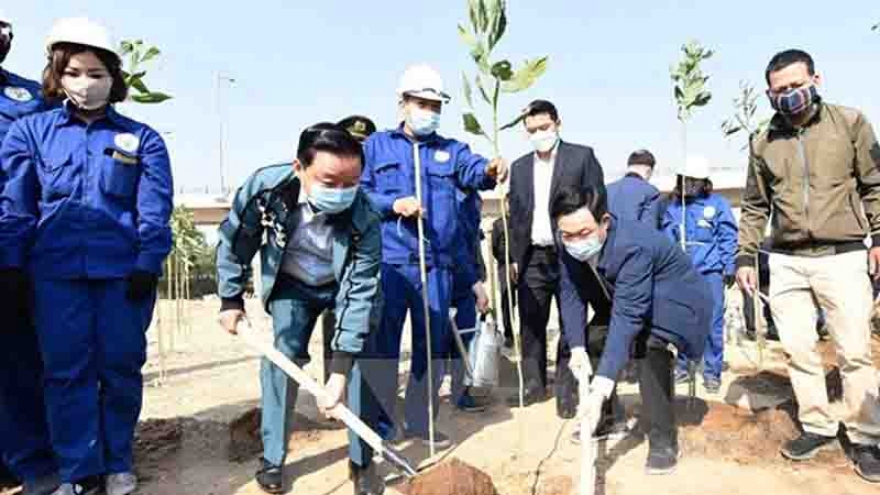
300,62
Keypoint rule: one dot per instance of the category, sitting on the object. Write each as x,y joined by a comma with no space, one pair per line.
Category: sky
298,62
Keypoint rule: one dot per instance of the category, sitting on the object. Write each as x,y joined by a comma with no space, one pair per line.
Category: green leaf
468,92
151,98
466,37
138,84
502,70
514,122
472,125
125,48
483,92
702,99
472,12
499,25
152,53
483,16
526,76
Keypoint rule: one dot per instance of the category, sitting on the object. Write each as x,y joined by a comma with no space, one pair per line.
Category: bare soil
451,478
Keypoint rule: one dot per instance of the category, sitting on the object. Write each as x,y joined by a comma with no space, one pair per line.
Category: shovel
305,381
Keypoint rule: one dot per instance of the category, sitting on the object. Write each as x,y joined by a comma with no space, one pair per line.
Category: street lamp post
218,108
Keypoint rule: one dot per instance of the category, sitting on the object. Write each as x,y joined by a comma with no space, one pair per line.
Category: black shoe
662,461
7,479
682,376
365,479
867,459
508,342
270,477
806,446
467,403
531,396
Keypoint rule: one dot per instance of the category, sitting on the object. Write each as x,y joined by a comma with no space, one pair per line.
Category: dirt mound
733,434
246,441
451,478
154,441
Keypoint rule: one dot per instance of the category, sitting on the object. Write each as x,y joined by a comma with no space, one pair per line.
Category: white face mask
86,92
584,249
544,141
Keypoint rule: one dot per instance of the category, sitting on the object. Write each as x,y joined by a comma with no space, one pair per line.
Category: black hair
538,107
699,188
330,138
642,157
358,126
571,199
789,57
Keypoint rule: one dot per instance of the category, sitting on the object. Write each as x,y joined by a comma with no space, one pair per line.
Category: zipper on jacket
806,181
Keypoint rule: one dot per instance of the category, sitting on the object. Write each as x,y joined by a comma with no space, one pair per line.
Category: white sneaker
121,484
74,489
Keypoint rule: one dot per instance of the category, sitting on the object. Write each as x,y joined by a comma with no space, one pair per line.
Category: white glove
590,409
580,363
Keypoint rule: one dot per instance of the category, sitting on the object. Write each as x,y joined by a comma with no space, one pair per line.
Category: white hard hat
695,167
81,31
422,81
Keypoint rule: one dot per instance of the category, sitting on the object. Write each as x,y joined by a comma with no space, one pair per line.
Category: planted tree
492,78
139,55
690,92
745,119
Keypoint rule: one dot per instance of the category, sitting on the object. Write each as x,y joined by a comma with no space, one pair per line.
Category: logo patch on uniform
127,142
704,224
709,212
18,94
441,156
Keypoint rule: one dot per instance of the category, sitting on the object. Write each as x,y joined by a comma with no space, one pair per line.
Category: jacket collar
779,124
69,115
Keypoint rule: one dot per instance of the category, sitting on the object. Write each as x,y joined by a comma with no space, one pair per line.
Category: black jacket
575,165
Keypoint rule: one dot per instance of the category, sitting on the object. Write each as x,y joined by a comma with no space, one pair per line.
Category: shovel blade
399,462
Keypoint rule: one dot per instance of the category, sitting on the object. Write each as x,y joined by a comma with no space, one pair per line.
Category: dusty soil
451,478
199,412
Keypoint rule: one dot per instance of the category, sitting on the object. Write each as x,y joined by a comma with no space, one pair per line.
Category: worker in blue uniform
84,214
467,298
321,252
25,448
633,198
656,299
710,239
389,179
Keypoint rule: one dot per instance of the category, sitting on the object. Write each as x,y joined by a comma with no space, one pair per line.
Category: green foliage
690,81
190,257
487,26
139,54
745,119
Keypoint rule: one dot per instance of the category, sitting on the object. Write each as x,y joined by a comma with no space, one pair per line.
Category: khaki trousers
838,284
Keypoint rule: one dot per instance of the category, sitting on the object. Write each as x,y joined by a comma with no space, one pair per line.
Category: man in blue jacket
25,447
633,198
322,250
657,299
389,179
710,239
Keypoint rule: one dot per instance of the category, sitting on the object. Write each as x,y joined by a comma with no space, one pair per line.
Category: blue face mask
584,249
331,199
423,122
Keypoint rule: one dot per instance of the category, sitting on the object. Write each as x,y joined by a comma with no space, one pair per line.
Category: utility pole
219,110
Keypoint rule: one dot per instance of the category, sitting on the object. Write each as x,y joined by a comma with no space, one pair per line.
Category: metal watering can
483,355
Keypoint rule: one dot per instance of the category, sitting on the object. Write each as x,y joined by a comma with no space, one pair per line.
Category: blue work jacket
633,199
389,174
18,97
84,200
711,232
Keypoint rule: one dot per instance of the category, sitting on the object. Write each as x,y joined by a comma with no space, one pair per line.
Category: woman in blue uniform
710,237
84,214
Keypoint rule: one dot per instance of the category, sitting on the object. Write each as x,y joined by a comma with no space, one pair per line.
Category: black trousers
538,284
656,386
328,329
506,315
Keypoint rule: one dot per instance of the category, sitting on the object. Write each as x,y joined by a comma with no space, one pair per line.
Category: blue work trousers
713,356
25,447
93,341
402,289
295,308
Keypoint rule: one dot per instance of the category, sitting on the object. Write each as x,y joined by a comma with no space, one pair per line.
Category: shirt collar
67,111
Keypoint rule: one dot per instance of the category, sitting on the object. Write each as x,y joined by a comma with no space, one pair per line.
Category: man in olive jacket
320,245
816,172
